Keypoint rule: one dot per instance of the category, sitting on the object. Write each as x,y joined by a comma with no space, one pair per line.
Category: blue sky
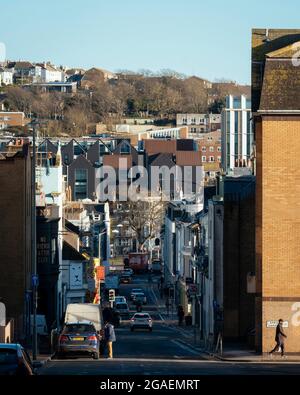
210,39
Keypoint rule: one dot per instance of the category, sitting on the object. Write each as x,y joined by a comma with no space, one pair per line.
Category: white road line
137,360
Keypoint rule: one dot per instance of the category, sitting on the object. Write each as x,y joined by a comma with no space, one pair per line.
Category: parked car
129,271
141,320
120,299
15,361
139,297
156,266
79,338
122,309
125,278
134,291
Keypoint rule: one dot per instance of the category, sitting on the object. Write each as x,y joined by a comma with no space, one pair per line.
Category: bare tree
145,218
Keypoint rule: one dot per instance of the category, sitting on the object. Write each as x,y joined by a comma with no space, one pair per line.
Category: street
161,352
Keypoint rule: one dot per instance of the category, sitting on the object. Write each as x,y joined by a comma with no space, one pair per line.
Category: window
125,149
203,158
203,149
219,149
211,158
78,150
80,184
237,102
211,149
219,159
53,250
193,130
209,138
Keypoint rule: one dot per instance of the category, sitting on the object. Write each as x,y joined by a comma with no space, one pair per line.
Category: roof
185,145
161,160
70,253
70,226
281,86
21,65
188,158
156,146
11,346
113,160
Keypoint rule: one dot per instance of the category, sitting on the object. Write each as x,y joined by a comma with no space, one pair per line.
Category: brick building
15,230
276,109
11,118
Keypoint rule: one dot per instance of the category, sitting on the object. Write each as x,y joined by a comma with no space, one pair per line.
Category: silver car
79,338
141,321
122,309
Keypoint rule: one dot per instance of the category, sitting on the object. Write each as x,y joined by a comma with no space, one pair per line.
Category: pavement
231,352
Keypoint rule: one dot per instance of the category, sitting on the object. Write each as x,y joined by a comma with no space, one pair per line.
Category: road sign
35,280
100,272
111,295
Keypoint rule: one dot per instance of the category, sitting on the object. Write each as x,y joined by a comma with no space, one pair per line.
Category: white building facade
237,134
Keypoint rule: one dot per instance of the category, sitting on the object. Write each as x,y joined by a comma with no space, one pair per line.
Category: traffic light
111,295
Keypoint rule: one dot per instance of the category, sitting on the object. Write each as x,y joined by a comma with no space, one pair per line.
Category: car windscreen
141,316
8,356
79,328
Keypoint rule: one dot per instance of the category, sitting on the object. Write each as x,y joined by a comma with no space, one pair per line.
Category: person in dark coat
279,338
180,314
110,337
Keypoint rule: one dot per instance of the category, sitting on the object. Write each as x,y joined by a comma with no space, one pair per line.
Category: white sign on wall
273,324
76,276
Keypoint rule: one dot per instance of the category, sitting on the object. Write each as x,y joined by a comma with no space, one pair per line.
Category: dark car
79,338
15,361
125,279
122,309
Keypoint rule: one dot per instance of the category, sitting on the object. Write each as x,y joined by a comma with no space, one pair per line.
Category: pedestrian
110,337
180,314
280,339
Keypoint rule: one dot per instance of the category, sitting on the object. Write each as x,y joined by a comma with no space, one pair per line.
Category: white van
88,312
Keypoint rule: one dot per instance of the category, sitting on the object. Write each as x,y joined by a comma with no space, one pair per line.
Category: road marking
138,360
184,347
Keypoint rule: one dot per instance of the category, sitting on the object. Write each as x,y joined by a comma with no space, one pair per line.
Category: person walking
280,339
180,314
110,337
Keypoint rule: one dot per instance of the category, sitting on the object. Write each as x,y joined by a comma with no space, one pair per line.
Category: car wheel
95,355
